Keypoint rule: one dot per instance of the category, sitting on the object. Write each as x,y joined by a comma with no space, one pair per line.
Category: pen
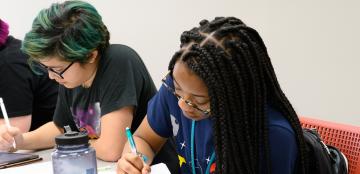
131,141
132,144
6,118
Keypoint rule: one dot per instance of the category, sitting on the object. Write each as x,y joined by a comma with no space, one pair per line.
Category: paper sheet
155,169
160,168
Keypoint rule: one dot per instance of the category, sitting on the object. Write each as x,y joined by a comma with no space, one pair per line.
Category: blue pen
132,144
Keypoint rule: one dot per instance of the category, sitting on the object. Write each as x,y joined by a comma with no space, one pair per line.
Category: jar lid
72,138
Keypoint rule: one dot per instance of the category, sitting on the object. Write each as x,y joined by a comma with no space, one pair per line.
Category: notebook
9,159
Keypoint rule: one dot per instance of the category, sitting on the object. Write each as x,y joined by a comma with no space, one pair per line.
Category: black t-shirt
121,80
23,91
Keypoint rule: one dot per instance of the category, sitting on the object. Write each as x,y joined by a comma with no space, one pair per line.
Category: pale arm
21,122
111,142
41,138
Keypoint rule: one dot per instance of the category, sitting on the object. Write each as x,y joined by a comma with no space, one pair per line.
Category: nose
51,75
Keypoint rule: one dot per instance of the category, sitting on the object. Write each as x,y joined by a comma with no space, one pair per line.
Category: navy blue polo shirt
167,120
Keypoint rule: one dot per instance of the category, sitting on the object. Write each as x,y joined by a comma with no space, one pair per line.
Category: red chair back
344,137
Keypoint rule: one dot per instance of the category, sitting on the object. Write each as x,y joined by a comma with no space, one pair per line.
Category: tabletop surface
45,165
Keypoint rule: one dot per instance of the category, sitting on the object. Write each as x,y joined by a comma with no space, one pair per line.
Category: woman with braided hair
224,106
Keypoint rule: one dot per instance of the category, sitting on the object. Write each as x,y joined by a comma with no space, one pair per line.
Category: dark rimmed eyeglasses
188,102
60,74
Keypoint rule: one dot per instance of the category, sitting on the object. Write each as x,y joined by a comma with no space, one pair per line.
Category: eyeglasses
188,102
60,74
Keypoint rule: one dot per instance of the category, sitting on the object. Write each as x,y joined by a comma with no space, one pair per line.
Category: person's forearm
21,122
41,138
142,147
107,151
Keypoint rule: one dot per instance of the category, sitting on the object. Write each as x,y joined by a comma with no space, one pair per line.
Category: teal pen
132,144
131,141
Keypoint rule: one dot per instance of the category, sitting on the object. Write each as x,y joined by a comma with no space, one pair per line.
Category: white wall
314,45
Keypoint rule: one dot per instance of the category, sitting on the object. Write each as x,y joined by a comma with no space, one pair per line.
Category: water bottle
73,155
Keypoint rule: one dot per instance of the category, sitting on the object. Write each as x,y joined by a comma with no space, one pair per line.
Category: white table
45,166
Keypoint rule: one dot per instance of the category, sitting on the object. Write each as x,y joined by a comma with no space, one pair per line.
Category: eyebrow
196,95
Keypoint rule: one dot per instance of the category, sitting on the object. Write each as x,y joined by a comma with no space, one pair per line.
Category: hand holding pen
7,132
132,144
133,162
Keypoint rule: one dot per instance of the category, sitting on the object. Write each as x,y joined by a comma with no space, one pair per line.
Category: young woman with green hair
104,87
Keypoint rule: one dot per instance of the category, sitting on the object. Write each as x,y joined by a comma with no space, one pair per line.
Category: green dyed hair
70,30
